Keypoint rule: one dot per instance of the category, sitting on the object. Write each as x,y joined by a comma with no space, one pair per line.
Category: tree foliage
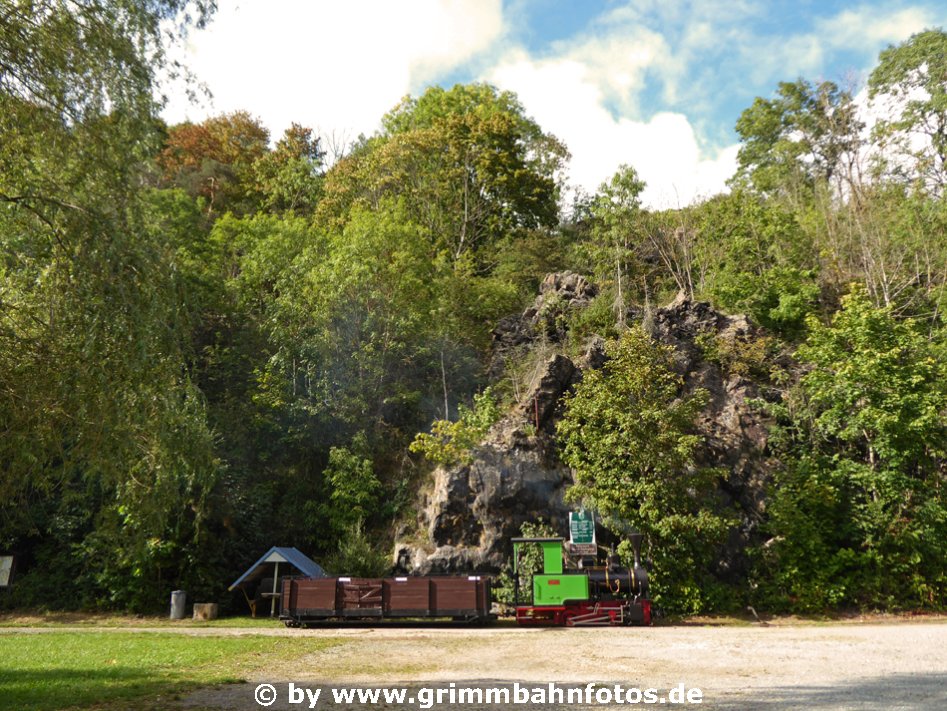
227,161
628,435
468,164
451,442
808,133
97,405
860,506
911,80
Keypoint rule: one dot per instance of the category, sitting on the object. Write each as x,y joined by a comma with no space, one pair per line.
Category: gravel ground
779,667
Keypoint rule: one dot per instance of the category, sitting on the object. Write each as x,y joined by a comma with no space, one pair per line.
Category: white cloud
570,90
864,30
565,95
620,62
340,66
330,64
869,26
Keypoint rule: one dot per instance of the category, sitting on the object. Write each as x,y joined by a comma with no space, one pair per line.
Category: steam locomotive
587,595
584,596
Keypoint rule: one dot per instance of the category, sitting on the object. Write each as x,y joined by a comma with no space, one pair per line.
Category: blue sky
658,85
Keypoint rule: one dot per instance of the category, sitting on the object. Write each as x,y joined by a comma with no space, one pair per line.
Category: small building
261,580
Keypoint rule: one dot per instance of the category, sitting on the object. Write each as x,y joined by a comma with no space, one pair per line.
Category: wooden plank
451,594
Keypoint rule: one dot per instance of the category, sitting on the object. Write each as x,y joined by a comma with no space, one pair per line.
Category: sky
658,85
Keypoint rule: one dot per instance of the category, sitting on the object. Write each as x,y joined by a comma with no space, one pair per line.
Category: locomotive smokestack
636,548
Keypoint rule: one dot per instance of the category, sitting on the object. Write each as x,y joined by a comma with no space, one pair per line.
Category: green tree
467,162
290,177
859,509
349,324
878,385
355,490
884,239
756,258
912,79
96,401
629,436
451,442
808,133
614,247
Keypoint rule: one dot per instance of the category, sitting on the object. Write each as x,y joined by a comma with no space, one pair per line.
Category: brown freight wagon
462,598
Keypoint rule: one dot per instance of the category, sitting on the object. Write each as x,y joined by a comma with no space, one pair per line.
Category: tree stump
205,610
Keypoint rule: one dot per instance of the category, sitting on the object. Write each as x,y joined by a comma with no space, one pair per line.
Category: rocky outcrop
475,509
469,514
545,320
472,511
734,430
559,294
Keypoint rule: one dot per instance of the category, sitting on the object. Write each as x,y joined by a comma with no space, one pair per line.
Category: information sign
582,532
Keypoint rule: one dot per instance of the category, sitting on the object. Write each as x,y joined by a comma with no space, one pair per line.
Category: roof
297,559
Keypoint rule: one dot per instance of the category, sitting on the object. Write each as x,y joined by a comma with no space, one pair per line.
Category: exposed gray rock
735,432
595,356
559,294
543,398
474,509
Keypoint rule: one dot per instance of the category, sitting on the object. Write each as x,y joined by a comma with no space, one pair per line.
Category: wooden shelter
262,578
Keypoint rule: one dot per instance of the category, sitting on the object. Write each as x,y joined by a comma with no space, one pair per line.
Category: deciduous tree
628,434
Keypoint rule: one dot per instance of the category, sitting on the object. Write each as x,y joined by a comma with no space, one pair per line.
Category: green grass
107,670
79,619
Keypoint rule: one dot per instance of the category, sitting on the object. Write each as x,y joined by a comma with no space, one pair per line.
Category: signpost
582,532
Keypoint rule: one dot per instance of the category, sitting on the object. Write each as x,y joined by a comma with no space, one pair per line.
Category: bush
858,512
451,442
357,556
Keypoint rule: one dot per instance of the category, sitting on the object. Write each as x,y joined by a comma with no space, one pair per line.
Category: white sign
6,567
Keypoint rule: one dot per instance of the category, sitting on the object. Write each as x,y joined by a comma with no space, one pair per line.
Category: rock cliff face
467,518
734,431
474,509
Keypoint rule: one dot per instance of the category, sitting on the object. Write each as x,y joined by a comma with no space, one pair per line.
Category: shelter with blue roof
263,576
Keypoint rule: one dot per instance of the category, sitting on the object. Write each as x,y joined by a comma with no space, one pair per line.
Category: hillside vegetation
213,341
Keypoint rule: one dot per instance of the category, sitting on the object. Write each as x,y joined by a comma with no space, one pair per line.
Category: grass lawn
107,670
93,619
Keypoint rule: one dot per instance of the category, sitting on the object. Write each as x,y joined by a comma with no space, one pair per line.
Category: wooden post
273,599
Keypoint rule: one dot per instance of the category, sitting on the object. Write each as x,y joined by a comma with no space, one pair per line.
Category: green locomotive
588,595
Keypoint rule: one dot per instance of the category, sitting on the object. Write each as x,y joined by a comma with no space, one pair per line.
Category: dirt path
835,666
